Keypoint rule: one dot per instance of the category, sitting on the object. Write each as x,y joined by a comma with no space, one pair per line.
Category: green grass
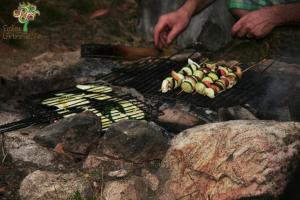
78,196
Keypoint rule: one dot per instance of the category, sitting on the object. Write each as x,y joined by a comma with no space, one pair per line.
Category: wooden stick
254,65
179,92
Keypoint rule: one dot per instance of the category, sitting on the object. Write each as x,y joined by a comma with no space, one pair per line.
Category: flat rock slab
231,160
129,189
21,147
135,141
75,133
45,185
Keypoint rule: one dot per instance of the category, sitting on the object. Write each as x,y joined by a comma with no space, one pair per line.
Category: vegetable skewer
208,79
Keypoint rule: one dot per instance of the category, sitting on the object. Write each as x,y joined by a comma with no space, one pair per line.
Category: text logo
25,13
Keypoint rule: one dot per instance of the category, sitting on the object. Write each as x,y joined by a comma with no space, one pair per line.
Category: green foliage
77,196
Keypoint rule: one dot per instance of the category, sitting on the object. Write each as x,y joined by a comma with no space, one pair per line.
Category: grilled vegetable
188,84
211,66
232,80
221,85
216,89
177,76
186,71
199,74
168,84
222,71
225,81
193,64
213,76
205,70
207,81
237,70
210,92
200,88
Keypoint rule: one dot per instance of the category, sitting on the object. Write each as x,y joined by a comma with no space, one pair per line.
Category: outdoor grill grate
145,76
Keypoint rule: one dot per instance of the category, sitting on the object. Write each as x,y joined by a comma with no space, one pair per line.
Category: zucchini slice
199,74
213,76
187,86
221,85
200,88
210,92
186,71
193,64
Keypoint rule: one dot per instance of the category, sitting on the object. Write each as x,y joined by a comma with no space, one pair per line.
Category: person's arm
192,7
171,24
261,22
287,13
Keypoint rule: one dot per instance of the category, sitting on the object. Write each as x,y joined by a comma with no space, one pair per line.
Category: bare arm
192,7
287,13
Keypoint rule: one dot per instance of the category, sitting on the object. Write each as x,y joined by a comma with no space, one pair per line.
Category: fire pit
144,76
131,122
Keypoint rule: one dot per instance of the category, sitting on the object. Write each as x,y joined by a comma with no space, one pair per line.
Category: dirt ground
65,25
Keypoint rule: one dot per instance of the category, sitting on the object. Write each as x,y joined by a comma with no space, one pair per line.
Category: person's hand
169,26
256,24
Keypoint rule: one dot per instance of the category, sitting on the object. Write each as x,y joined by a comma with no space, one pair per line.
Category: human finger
173,33
164,38
236,28
158,29
244,31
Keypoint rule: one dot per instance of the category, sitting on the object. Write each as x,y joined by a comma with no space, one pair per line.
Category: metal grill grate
102,100
146,76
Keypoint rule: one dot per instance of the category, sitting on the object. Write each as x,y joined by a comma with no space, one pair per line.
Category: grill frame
135,75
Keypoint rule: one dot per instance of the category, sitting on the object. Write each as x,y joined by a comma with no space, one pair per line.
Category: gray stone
130,189
99,163
135,141
231,160
76,133
211,28
21,147
119,173
45,185
150,179
235,113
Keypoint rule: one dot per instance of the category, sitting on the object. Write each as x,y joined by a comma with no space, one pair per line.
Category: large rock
210,28
130,189
21,147
106,165
75,133
135,141
231,160
235,113
45,185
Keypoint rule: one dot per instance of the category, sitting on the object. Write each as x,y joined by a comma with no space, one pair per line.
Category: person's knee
237,12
